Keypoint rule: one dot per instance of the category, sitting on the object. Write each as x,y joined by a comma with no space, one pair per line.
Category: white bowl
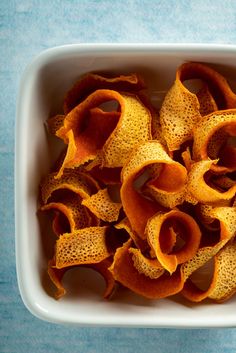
41,92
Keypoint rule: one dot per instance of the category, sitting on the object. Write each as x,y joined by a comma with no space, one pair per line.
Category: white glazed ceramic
41,92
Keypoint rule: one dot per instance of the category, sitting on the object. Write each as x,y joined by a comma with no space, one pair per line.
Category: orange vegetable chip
210,137
92,82
124,271
70,206
114,138
222,285
187,159
80,183
206,101
149,267
60,223
226,216
180,110
84,246
139,242
102,206
200,190
158,231
170,180
55,123
56,276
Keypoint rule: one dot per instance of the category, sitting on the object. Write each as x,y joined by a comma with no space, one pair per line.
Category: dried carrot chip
60,223
206,101
91,82
171,179
84,246
70,206
158,231
55,123
72,179
139,242
56,276
113,138
149,267
102,206
226,216
212,130
200,190
124,271
180,110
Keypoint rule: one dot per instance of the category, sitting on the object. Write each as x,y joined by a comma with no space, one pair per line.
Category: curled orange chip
180,111
139,242
206,101
223,284
113,138
200,190
171,178
55,123
102,206
218,86
74,180
210,137
149,267
124,271
60,223
91,82
224,280
226,216
56,276
70,206
187,159
84,246
159,229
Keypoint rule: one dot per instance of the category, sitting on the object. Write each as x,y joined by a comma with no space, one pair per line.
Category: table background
28,27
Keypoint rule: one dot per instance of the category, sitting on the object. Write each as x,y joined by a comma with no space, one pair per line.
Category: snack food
146,198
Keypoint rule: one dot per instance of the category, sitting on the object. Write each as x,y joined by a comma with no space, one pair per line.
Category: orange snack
158,230
139,242
226,216
171,180
102,206
70,206
91,82
180,111
105,132
84,246
210,136
74,180
56,276
200,190
149,267
124,271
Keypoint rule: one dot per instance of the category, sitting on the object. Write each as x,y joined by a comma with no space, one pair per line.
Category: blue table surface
26,28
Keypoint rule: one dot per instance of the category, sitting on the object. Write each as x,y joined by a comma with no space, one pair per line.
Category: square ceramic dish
42,88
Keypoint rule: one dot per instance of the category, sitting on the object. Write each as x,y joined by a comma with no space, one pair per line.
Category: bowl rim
40,60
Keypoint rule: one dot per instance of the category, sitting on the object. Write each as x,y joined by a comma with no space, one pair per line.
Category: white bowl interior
43,86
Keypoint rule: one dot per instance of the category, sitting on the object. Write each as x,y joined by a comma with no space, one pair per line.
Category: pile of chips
146,197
